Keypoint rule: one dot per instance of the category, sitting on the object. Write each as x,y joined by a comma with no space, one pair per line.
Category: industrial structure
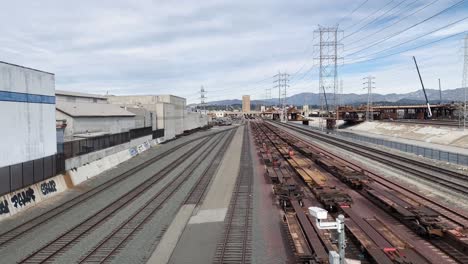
29,145
73,133
246,103
147,179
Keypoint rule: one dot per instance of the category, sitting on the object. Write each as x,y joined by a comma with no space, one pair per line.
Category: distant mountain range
352,98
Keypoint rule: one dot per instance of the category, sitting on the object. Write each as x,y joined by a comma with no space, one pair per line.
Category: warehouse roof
24,67
76,94
91,109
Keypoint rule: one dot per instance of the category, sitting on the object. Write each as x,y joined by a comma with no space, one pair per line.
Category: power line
416,38
408,28
368,16
403,51
372,21
354,10
396,22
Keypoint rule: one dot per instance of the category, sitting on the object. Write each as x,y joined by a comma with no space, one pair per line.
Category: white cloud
135,47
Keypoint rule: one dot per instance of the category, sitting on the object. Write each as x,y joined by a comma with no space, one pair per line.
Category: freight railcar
421,219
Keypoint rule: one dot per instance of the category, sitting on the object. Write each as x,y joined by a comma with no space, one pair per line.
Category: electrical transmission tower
202,99
369,86
464,80
328,66
282,83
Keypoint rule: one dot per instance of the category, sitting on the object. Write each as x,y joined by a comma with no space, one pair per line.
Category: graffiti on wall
23,198
133,152
4,207
48,187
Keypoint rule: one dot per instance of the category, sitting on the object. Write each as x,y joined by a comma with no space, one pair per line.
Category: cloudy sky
232,47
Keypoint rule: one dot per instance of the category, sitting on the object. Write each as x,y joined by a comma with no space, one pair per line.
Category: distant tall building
246,103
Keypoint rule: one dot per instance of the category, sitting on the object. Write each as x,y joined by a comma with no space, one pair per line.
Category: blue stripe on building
26,98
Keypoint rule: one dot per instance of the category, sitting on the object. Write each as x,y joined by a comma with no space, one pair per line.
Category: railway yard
241,194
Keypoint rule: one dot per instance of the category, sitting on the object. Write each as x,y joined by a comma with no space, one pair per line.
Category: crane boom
429,112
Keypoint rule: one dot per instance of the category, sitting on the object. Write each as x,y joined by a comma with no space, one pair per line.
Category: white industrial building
75,97
28,142
94,119
168,111
27,106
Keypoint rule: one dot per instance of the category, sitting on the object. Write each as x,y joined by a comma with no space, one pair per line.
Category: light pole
321,214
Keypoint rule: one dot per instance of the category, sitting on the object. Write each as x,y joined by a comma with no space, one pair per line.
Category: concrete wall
174,115
179,110
28,128
165,119
22,199
133,99
143,117
193,120
77,99
81,160
111,125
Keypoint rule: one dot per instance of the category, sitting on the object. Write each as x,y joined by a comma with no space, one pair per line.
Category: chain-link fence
431,153
418,150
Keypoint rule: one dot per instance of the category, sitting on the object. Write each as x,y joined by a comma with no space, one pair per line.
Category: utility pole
202,99
285,87
369,85
278,85
282,82
328,66
440,93
465,77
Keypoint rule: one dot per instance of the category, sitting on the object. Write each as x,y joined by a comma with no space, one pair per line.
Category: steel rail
387,182
389,159
12,234
234,245
108,247
58,244
443,246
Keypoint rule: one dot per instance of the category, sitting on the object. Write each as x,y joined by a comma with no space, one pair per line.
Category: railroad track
235,245
451,214
62,243
109,246
460,219
422,170
15,233
198,192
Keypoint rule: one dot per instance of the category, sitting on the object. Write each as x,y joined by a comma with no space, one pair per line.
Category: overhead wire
352,12
371,14
409,49
416,38
406,29
375,19
396,22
